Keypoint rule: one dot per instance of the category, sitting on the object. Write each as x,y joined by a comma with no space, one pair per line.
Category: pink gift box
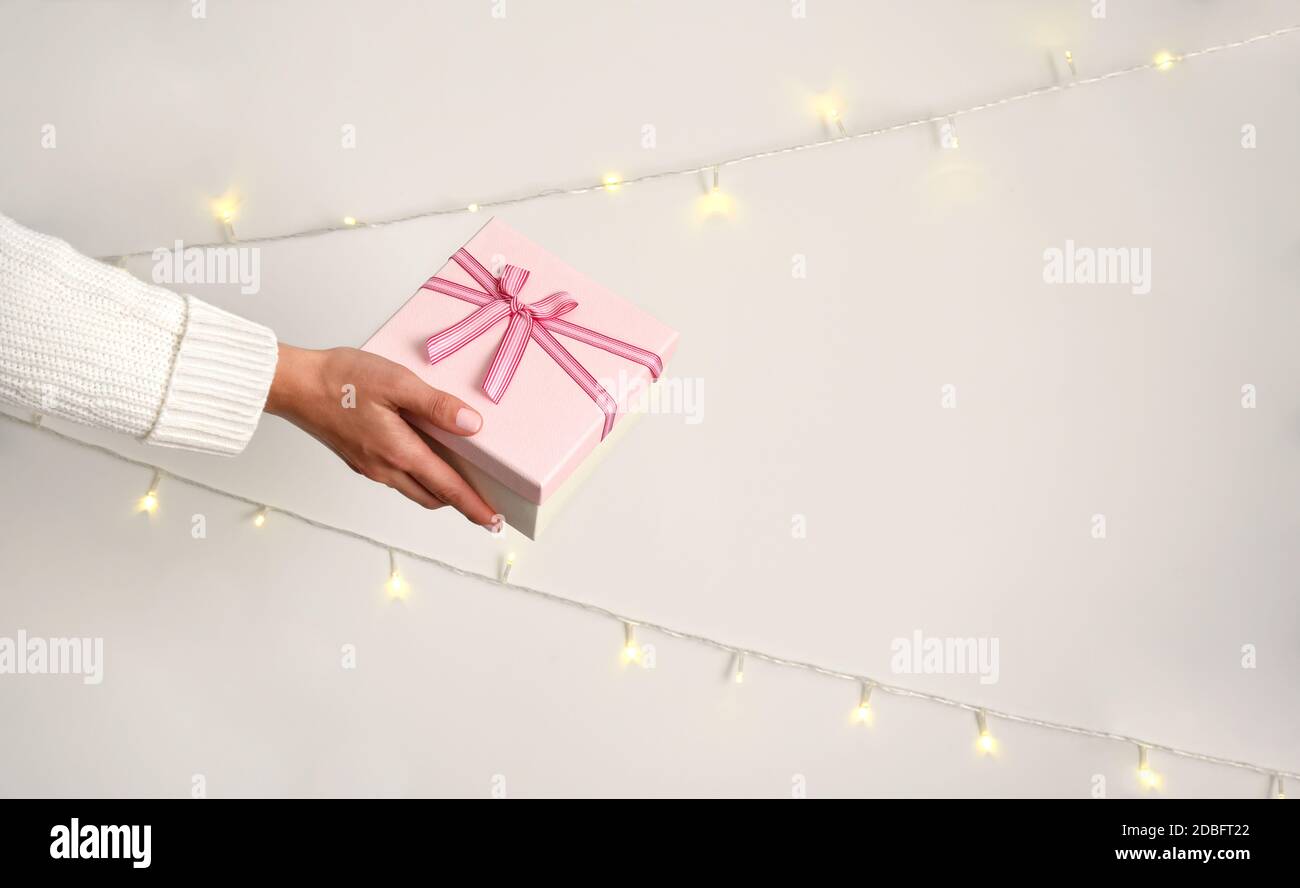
544,436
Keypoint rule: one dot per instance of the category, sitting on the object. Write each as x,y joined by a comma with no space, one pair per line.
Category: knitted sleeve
88,342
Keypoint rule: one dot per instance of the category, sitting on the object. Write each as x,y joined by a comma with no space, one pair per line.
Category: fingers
413,490
447,412
441,480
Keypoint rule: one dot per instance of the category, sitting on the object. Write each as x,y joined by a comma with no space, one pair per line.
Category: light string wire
1160,64
740,653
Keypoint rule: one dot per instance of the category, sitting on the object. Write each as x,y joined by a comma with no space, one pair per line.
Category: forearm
89,342
297,374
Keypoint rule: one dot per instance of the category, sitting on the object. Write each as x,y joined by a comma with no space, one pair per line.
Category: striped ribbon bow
537,321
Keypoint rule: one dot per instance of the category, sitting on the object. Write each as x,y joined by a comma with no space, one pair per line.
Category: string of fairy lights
398,588
715,201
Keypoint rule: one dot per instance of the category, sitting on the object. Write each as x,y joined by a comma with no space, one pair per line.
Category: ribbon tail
604,400
645,358
474,269
509,353
465,259
460,291
455,337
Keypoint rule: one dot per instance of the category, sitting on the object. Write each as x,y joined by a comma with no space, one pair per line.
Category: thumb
447,412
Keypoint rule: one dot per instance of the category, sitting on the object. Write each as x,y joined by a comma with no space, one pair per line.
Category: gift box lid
545,425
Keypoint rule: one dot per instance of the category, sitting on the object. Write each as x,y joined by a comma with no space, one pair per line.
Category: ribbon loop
537,321
512,280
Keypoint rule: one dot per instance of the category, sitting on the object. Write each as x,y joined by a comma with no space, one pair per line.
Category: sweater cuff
223,370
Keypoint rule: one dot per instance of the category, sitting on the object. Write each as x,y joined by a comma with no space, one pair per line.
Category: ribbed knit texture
89,342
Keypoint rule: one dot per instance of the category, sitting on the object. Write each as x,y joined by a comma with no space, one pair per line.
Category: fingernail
469,420
496,525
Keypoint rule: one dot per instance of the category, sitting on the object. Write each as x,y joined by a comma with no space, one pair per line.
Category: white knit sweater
89,342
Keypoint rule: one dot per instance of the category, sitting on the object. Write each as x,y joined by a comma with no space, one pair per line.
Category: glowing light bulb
349,221
863,712
631,652
716,202
740,667
224,208
1164,60
1069,60
612,181
1146,776
828,106
396,588
260,518
984,741
505,568
149,502
473,208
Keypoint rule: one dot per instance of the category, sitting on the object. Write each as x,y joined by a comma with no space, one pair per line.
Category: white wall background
924,268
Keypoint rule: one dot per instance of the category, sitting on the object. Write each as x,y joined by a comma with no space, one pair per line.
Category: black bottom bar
216,837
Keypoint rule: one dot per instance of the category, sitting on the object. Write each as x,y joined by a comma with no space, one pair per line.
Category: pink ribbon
537,321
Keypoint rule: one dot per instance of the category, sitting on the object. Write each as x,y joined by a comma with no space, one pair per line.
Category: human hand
370,435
